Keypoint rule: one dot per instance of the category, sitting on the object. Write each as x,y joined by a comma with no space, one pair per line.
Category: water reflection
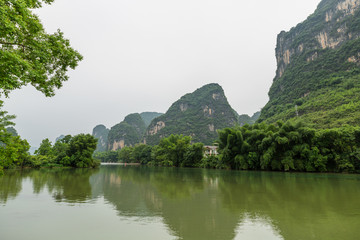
258,228
65,185
10,186
210,204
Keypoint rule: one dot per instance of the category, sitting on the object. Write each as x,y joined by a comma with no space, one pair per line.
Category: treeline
70,151
175,150
290,146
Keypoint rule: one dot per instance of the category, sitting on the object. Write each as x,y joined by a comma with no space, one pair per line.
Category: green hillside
126,133
198,114
318,71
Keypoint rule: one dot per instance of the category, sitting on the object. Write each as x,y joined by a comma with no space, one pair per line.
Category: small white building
210,150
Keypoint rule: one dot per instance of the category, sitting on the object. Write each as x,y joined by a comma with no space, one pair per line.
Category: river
135,202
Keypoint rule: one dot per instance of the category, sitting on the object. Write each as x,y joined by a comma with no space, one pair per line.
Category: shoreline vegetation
69,152
292,146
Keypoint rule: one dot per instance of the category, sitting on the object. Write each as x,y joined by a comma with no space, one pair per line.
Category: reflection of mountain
201,204
209,204
179,196
301,206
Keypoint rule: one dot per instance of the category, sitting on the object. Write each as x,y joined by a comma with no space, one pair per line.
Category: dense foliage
198,114
177,150
70,151
292,146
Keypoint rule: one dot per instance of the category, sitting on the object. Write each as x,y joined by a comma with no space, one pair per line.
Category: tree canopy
29,55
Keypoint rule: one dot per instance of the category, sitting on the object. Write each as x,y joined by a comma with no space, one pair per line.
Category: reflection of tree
72,185
301,206
69,185
208,204
10,185
127,189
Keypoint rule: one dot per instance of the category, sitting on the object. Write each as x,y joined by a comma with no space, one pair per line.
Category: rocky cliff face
317,57
328,27
198,114
101,133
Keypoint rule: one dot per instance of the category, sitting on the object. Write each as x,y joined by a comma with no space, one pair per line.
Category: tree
176,150
60,150
142,153
45,148
193,155
29,55
125,154
81,150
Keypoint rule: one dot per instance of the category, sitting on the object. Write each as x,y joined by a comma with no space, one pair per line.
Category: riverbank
122,164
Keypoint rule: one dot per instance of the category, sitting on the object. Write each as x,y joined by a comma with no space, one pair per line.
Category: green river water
133,202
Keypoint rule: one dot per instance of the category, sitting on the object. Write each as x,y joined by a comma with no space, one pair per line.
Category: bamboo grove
290,146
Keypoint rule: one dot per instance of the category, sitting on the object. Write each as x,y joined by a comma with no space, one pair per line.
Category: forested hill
198,114
128,132
318,74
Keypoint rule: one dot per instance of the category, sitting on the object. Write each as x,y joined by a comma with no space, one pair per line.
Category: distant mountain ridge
199,115
246,119
128,132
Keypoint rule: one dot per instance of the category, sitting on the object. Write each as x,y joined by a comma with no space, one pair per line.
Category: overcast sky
142,55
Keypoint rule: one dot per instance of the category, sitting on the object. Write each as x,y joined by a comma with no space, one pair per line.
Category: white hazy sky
142,55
